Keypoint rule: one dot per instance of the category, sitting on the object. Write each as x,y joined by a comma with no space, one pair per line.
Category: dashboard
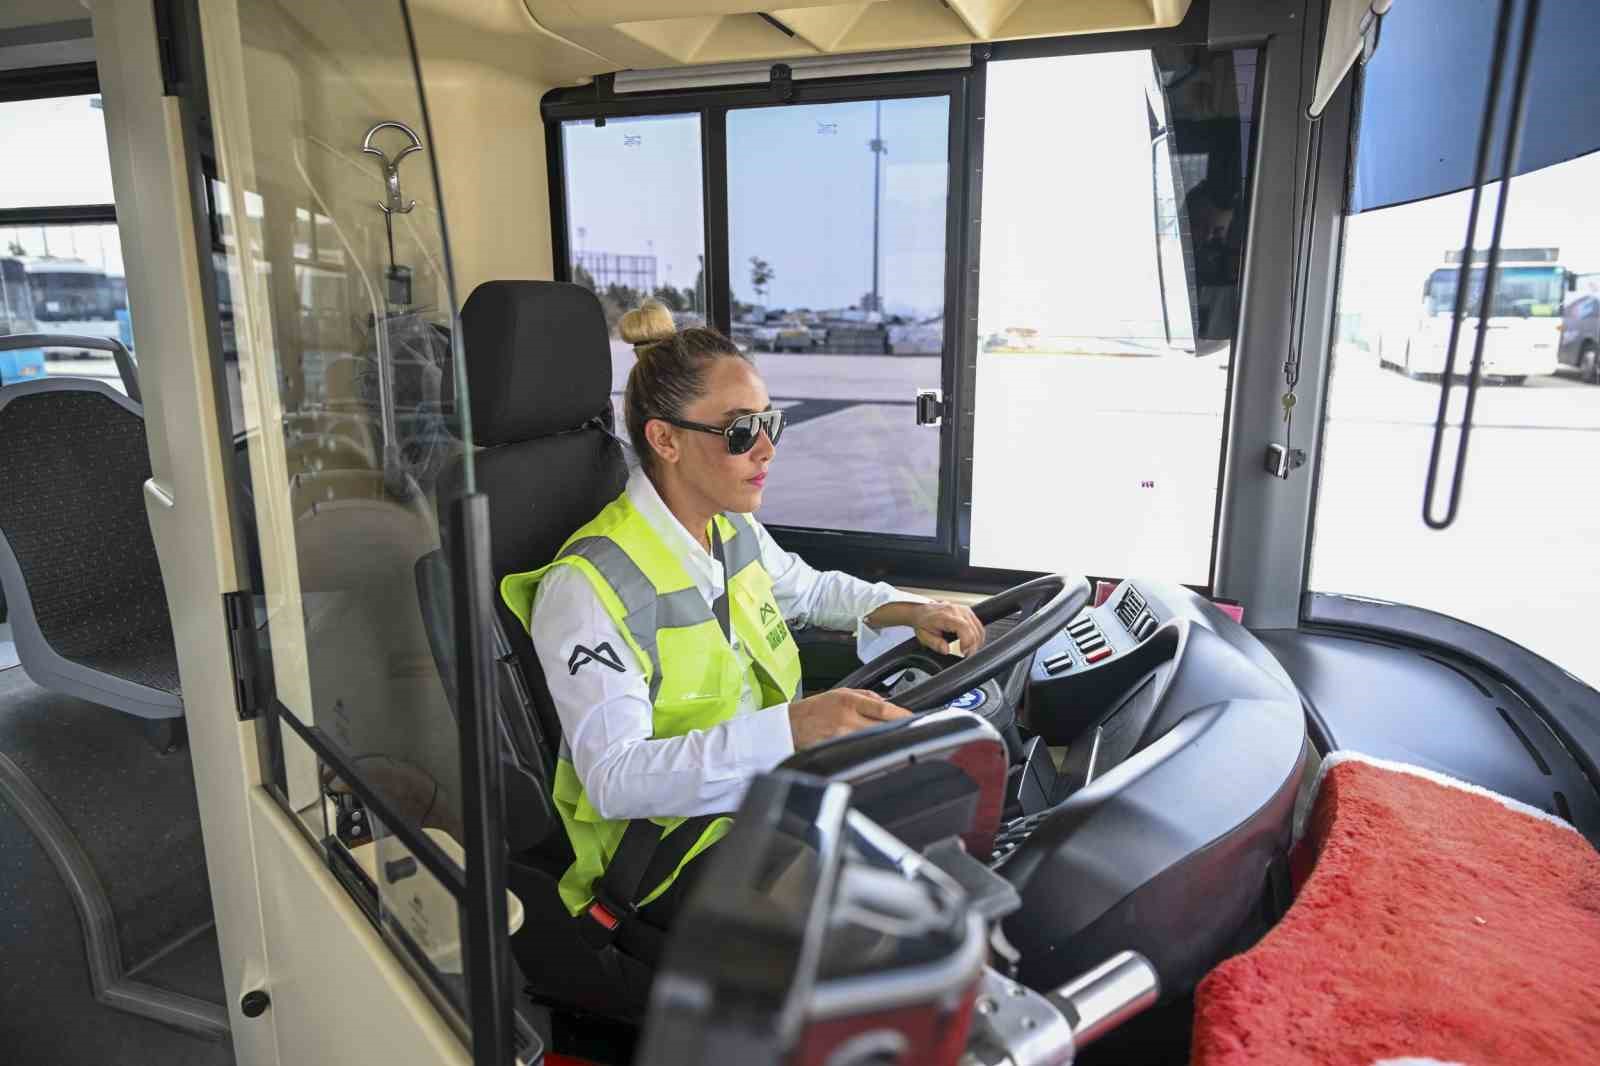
1118,676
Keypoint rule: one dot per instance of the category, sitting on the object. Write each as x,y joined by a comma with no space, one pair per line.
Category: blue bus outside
16,316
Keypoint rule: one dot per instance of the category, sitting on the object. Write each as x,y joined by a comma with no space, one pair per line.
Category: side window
836,249
1109,290
816,234
635,220
61,268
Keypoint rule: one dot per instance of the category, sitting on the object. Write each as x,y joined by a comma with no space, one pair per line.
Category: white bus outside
74,297
1524,325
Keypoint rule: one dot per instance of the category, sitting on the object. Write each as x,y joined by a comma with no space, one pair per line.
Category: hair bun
647,324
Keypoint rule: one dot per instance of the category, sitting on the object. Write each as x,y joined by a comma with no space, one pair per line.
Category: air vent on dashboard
1130,607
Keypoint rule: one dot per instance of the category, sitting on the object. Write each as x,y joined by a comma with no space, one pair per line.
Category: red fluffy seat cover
1430,922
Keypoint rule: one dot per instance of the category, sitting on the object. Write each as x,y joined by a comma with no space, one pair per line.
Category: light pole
878,148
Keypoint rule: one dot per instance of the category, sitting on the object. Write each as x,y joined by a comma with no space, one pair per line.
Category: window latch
781,82
930,407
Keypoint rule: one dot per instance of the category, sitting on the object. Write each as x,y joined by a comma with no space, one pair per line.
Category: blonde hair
649,323
669,372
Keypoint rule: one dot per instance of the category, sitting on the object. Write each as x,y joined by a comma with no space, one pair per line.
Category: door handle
930,407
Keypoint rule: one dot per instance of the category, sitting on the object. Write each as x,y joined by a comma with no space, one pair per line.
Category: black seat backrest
88,606
527,756
538,362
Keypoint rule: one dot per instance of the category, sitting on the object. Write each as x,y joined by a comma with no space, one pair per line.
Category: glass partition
351,448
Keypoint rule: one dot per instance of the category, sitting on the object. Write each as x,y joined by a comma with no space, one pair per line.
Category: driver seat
538,367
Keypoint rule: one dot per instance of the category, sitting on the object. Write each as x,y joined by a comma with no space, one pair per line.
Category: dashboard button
1096,656
1057,664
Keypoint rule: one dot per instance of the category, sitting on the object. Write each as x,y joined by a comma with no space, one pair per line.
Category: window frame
49,83
712,106
944,559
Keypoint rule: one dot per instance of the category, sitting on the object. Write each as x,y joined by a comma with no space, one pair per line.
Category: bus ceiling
644,34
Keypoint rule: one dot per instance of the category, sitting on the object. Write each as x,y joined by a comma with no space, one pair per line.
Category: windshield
1519,292
71,297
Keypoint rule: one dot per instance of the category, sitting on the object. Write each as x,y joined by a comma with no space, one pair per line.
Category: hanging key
1288,405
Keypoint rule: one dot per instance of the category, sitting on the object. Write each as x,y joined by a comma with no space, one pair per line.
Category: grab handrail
1513,147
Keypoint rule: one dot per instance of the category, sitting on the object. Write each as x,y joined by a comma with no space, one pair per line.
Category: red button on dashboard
1096,656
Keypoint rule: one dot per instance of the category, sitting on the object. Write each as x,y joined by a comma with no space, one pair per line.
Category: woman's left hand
934,622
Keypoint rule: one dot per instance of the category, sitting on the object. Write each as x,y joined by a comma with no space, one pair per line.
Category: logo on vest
768,613
604,654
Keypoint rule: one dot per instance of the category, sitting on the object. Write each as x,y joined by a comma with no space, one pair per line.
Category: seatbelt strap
720,607
643,859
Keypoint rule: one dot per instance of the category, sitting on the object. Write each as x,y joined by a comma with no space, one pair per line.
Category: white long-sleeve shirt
606,714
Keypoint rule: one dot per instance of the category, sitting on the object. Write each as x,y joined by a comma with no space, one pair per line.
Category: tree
583,277
693,295
670,298
761,275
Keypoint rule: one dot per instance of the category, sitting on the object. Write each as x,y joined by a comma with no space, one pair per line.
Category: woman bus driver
673,674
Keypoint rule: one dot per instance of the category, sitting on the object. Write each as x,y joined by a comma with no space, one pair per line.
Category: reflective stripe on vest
646,610
695,677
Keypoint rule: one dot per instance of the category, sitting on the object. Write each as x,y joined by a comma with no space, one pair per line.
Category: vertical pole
487,947
877,161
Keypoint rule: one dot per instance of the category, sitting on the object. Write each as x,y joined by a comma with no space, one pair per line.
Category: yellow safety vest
695,677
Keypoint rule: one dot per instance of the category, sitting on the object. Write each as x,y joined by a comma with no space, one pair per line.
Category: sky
63,141
799,196
634,188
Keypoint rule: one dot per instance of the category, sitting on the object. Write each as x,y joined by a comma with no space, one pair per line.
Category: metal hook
396,204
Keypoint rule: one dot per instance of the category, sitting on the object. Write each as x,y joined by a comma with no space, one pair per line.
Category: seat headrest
538,357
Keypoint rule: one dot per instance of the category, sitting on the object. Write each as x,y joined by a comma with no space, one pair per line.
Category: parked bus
16,316
73,297
1525,318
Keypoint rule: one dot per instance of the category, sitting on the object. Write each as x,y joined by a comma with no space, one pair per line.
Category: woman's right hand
837,712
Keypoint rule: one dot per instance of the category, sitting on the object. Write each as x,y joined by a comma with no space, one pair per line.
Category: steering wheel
1047,604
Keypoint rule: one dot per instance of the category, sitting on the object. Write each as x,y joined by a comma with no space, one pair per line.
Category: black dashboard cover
1168,853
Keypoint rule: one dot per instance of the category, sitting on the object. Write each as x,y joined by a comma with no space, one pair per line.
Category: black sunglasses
741,433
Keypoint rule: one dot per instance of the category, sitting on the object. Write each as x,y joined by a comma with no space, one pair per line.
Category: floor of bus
135,814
